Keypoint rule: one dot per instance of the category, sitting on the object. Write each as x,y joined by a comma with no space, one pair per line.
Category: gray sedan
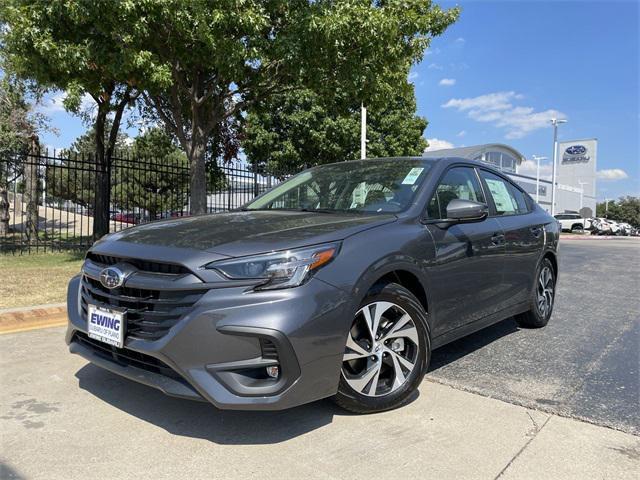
336,283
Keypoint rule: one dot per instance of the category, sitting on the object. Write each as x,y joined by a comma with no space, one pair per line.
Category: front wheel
386,353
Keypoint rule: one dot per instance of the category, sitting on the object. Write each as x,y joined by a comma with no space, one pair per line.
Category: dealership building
575,175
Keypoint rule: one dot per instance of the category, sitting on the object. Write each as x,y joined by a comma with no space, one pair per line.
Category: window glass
502,194
518,196
355,186
458,182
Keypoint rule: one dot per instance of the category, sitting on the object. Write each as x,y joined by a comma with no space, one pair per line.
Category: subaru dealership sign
577,167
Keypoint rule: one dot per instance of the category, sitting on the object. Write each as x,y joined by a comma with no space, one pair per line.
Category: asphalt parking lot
585,363
502,403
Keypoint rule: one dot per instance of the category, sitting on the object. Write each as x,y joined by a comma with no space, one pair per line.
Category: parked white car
572,222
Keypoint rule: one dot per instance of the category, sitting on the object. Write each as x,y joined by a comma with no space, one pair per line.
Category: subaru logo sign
576,150
112,277
575,154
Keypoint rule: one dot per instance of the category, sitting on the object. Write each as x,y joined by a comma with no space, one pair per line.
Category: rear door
524,235
467,271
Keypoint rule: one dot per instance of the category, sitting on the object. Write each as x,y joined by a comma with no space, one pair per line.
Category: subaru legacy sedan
339,282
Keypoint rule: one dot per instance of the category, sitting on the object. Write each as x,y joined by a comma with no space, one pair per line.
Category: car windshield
376,186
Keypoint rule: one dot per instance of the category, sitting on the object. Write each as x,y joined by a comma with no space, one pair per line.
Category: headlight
279,269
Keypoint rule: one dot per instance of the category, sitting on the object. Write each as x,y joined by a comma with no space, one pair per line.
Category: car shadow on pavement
202,420
455,350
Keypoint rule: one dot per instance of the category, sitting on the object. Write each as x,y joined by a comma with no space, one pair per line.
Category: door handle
536,231
497,238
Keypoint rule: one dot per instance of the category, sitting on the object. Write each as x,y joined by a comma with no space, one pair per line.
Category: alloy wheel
545,291
382,349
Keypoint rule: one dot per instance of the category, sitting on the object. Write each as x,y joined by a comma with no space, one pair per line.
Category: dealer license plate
106,325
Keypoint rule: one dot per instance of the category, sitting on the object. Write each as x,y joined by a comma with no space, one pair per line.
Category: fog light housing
273,371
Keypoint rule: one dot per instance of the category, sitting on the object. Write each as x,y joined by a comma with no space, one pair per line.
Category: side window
503,195
458,182
518,196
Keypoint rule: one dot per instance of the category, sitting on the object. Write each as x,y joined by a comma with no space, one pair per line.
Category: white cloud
498,108
460,41
435,66
529,167
461,133
54,104
432,51
437,144
612,174
447,82
413,76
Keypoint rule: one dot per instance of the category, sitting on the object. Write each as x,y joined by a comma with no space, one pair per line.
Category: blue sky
504,68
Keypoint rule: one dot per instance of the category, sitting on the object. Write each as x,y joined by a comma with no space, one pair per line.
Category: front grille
127,357
142,265
149,313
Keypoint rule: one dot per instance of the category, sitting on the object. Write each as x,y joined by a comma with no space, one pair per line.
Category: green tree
74,46
157,181
301,128
205,62
20,123
72,176
626,209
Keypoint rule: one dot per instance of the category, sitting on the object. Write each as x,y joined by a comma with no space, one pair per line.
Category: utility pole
555,122
363,131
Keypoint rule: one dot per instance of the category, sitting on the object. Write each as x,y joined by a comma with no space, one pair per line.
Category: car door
466,275
524,235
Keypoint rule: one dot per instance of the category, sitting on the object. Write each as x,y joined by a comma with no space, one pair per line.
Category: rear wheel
543,297
386,352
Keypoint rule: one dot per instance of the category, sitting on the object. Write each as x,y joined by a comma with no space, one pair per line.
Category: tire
577,228
382,374
542,298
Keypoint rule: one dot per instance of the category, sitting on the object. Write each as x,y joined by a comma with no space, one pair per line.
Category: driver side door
467,274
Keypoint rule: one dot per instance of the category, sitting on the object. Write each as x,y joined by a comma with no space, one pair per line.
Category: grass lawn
36,279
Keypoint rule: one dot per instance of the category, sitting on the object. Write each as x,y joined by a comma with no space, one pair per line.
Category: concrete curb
30,318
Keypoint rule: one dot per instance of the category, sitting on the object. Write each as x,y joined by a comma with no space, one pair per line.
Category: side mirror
466,211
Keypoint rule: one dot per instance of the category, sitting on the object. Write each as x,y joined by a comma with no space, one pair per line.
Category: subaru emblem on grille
112,277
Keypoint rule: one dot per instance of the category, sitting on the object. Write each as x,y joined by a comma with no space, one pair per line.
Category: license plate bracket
106,325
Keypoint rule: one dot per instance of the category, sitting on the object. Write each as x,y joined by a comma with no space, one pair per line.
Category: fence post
255,182
31,191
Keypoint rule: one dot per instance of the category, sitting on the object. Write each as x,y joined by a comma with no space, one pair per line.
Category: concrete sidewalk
61,418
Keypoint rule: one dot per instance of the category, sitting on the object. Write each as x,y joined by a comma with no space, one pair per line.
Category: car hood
251,232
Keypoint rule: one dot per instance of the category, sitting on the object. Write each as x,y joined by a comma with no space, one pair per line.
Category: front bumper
216,352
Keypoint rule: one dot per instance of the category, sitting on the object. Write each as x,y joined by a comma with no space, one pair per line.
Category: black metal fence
47,200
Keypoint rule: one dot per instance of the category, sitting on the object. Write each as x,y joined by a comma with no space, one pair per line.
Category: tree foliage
207,61
302,128
625,209
74,46
156,178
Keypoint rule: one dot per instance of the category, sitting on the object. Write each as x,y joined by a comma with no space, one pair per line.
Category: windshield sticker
412,176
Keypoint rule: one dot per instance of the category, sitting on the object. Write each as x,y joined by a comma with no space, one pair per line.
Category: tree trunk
198,180
103,179
31,192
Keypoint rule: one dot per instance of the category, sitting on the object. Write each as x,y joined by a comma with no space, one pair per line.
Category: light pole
582,192
537,159
363,131
555,122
